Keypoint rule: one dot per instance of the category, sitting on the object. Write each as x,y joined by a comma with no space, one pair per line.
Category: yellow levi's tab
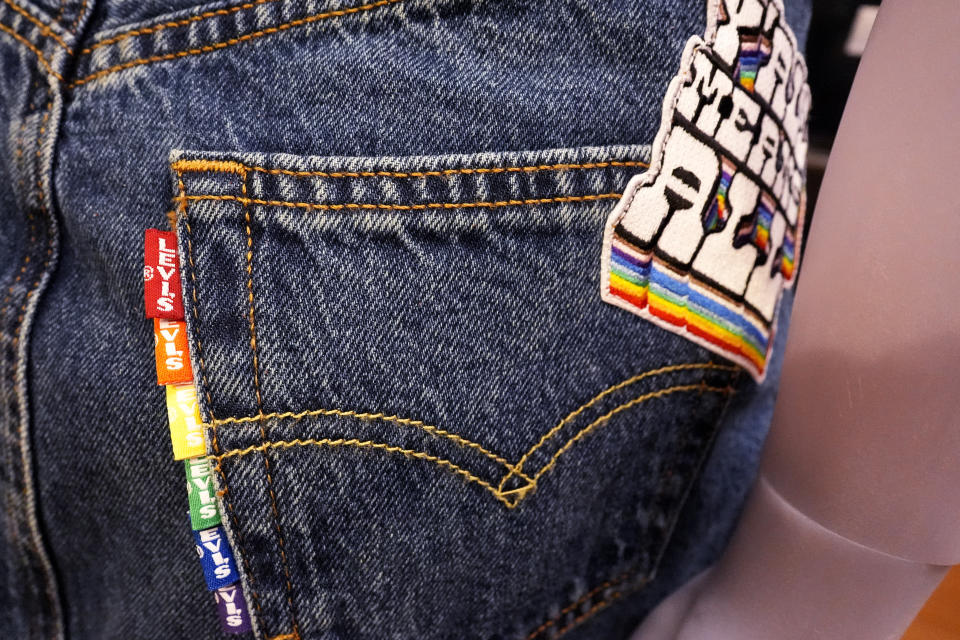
186,427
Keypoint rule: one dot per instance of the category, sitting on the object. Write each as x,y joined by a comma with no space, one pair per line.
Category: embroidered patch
705,241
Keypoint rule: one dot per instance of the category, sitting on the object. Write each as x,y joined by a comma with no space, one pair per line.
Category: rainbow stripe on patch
756,231
719,210
785,258
652,289
755,51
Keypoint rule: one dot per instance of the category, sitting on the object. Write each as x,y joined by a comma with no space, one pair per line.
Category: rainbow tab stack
163,299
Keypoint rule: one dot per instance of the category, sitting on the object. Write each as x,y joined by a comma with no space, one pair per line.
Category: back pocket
426,422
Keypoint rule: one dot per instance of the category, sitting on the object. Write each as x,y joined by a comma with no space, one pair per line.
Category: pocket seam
224,494
263,429
406,207
510,497
231,166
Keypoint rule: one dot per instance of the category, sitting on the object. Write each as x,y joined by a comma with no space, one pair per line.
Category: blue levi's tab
219,568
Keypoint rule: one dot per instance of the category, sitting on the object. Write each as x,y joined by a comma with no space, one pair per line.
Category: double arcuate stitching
503,491
515,483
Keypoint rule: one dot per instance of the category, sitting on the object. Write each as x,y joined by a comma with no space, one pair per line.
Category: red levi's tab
162,293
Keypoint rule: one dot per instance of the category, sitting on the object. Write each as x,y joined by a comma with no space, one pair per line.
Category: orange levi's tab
172,352
186,427
162,294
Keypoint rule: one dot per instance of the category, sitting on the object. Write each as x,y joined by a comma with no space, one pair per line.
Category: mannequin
855,517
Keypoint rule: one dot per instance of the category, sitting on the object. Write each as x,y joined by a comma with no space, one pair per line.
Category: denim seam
409,207
224,494
573,605
613,597
229,166
232,41
595,609
44,28
511,498
142,31
33,49
35,288
418,424
611,389
362,444
15,380
606,602
76,18
262,421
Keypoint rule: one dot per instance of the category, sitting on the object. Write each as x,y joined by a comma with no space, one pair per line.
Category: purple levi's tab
234,615
219,569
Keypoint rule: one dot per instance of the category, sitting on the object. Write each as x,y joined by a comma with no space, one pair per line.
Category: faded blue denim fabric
409,353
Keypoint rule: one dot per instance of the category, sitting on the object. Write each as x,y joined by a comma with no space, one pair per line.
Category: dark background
831,73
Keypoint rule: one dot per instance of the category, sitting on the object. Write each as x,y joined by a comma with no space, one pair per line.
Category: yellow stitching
410,422
511,468
236,167
606,392
409,207
500,495
263,428
365,444
232,41
623,407
181,207
76,20
19,38
172,24
221,166
253,323
286,636
44,29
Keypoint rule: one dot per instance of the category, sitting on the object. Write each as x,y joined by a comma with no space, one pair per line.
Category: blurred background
838,34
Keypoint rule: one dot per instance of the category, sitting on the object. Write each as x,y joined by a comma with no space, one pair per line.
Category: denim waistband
67,17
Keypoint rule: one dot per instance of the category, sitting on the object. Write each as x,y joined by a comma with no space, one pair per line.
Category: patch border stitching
671,98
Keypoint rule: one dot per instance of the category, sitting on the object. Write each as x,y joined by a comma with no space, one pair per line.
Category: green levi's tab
203,503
